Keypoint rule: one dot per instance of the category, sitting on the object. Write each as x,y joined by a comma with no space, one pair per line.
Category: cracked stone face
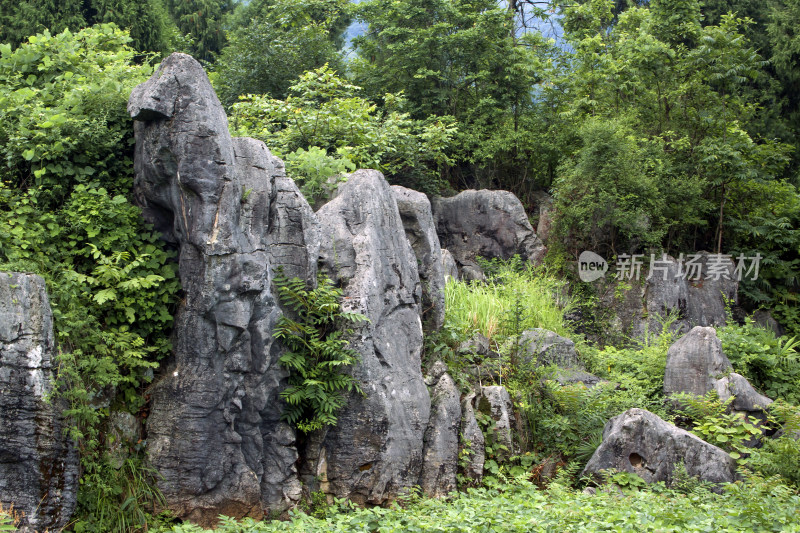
376,449
214,433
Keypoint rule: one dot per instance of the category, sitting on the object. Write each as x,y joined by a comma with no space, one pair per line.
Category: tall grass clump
483,307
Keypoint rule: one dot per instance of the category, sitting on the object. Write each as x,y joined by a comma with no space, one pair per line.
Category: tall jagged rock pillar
215,434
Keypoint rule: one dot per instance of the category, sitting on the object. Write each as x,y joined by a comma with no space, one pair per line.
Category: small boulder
745,397
496,402
440,452
695,362
639,442
449,266
544,347
765,320
478,344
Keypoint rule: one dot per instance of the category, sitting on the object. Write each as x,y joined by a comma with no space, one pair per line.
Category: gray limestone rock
544,347
485,223
695,362
449,266
38,465
415,212
640,442
472,439
745,397
440,452
496,402
375,450
706,301
765,320
214,433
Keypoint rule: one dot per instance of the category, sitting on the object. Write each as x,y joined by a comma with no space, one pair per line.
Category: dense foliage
661,125
762,504
318,355
66,175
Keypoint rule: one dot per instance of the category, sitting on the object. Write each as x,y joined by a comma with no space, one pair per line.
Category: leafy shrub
770,364
324,110
318,355
65,176
716,425
316,172
759,504
781,455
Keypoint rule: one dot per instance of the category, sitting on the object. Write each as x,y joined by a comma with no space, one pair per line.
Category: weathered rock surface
375,450
571,376
640,442
670,287
38,465
665,292
478,344
745,397
415,212
543,347
485,223
449,266
706,302
214,429
545,211
440,452
765,320
695,362
472,439
496,402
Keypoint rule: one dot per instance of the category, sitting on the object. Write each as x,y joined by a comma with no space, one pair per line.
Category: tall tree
462,59
277,41
203,21
146,21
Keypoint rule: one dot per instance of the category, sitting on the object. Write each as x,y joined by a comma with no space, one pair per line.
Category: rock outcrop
544,347
640,442
695,362
375,450
694,291
214,433
440,453
697,365
496,403
473,441
485,223
745,397
415,212
38,464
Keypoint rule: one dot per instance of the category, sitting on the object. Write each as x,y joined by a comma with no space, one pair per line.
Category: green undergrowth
484,307
760,504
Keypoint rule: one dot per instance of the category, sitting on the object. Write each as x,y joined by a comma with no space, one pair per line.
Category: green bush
318,355
770,364
324,110
473,307
66,172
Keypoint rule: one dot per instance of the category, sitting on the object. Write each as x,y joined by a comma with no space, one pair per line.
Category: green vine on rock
317,356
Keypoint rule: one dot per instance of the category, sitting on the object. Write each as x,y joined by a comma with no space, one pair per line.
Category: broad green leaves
318,355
